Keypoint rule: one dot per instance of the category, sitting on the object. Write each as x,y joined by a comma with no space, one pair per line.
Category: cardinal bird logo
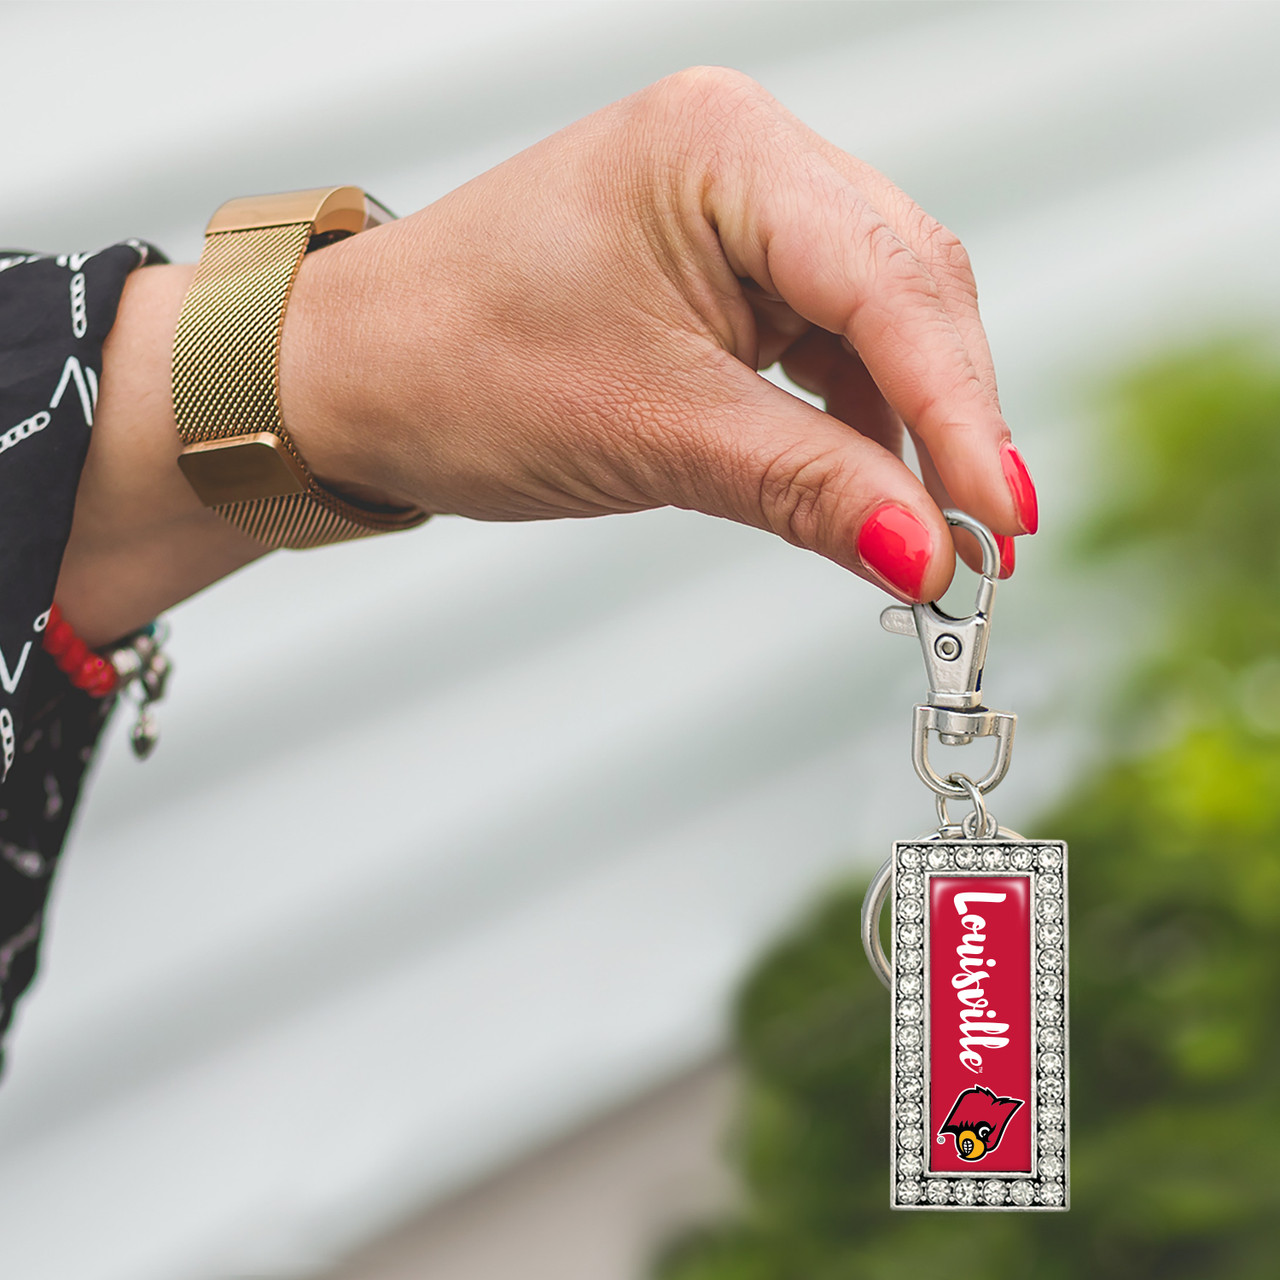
977,1122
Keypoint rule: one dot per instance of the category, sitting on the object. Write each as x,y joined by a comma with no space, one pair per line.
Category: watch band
237,453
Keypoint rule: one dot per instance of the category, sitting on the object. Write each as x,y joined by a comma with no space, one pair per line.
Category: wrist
140,540
331,399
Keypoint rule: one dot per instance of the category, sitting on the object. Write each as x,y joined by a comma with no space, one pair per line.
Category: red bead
57,635
104,682
85,669
72,658
85,674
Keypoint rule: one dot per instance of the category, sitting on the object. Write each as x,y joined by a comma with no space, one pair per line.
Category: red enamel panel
980,1024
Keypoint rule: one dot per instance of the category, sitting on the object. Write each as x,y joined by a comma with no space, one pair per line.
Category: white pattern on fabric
55,314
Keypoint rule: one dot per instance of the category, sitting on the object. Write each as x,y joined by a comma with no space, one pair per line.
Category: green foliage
1175,940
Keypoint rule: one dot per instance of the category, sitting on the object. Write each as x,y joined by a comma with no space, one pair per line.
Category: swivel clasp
955,653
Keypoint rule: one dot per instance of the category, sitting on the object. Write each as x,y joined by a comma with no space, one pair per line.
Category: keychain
979,1096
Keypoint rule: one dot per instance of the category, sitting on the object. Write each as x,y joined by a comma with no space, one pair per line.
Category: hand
578,331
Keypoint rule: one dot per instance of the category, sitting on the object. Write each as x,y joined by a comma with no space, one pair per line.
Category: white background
456,839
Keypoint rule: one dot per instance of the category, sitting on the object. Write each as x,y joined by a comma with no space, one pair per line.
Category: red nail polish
1006,555
1018,478
896,545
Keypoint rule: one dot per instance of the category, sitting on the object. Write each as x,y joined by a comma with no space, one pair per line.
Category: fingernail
1018,478
896,545
1006,555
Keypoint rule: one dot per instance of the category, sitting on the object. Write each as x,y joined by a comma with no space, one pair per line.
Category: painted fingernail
1018,478
1006,555
896,545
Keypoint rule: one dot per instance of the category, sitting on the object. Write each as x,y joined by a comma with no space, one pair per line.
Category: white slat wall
456,839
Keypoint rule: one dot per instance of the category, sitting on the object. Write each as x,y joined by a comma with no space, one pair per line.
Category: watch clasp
241,469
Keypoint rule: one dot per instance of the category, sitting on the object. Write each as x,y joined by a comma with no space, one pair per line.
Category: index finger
793,222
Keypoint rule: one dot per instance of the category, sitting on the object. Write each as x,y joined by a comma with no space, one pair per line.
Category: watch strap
226,398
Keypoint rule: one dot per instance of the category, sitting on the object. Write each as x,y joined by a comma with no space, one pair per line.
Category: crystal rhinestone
1022,1193
1049,984
993,1191
993,858
1022,858
911,1064
909,1164
966,858
1048,1011
936,1191
1049,908
1050,1037
1050,934
909,857
909,958
1050,958
1050,882
911,1137
1051,1116
909,1036
1048,858
908,908
908,1192
1051,1193
965,1191
938,857
910,984
1051,1166
910,1085
909,1010
910,934
1051,1063
910,883
1051,1088
908,1113
1051,1140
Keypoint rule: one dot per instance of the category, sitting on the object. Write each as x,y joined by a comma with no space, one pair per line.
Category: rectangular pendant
979,1089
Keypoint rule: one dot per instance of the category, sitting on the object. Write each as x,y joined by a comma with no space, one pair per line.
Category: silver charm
143,669
979,1102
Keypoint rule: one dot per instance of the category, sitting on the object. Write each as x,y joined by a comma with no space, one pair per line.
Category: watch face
375,212
329,209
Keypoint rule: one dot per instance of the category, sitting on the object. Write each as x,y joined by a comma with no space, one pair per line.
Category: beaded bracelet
85,669
137,662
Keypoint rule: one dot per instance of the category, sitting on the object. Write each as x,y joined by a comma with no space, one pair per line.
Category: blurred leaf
1175,961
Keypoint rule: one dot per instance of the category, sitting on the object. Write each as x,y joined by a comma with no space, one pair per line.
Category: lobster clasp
955,653
955,649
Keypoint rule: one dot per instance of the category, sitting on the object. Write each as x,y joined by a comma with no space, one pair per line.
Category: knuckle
702,109
935,409
800,494
896,268
697,131
707,89
890,254
947,254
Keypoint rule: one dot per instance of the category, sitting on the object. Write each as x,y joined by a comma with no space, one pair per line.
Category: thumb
765,458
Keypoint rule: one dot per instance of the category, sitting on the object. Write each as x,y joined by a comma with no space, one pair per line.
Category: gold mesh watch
237,454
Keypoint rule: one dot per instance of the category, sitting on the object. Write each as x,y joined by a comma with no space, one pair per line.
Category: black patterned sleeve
55,314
